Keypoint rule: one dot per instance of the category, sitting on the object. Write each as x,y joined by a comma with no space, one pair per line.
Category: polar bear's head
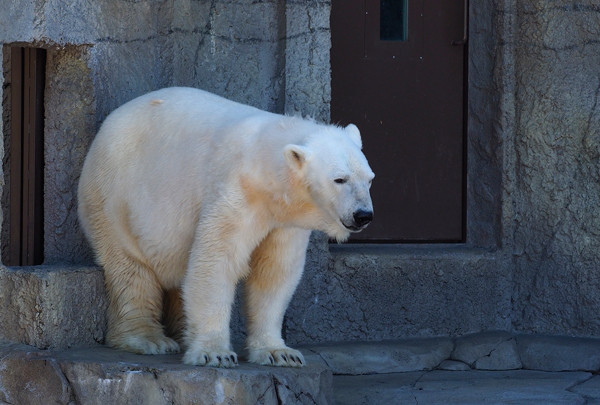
338,177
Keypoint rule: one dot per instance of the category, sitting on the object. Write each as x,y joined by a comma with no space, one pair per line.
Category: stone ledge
384,357
52,306
486,351
559,353
101,375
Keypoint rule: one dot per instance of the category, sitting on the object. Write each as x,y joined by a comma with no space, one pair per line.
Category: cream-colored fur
186,193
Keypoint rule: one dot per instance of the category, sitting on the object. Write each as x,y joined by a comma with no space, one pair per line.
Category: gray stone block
27,376
559,353
556,179
488,351
503,357
16,21
453,365
307,67
389,292
245,21
51,307
385,357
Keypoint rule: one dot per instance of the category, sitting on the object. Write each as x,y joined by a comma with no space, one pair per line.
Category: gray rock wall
307,45
70,125
5,119
235,49
51,307
375,293
557,169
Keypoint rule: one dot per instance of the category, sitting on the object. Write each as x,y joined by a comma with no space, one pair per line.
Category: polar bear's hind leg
135,306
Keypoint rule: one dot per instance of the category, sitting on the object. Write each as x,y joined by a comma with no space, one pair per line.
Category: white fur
182,188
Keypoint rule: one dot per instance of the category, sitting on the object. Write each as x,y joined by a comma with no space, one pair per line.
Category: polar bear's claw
225,358
284,357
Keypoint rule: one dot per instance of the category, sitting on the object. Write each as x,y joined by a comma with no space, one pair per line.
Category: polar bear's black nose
362,217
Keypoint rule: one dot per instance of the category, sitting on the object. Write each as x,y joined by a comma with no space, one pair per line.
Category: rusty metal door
398,69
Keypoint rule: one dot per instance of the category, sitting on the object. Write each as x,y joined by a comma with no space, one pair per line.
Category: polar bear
183,190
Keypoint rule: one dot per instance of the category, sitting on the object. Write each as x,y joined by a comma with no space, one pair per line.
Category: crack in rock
297,395
576,384
494,349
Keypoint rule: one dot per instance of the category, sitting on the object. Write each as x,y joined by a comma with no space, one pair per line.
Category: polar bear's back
171,114
176,132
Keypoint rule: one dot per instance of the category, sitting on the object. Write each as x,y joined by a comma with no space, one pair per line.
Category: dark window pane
394,20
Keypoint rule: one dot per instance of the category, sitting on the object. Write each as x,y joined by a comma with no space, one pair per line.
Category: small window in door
393,20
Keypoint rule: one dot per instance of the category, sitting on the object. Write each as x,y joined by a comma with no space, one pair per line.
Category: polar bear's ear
354,133
296,155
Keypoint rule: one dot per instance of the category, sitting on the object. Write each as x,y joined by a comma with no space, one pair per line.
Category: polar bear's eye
341,180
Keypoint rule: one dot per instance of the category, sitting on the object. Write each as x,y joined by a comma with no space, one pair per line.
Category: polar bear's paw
283,357
154,344
215,358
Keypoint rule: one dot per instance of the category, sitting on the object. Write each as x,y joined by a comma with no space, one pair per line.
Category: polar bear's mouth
353,228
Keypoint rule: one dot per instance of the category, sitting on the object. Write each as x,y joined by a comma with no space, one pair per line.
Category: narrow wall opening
23,163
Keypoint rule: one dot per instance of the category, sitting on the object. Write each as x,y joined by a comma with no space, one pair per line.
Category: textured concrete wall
308,41
70,125
50,307
233,49
485,129
382,292
5,119
557,169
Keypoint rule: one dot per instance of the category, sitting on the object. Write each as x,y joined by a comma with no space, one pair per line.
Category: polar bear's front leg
276,268
208,294
218,260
